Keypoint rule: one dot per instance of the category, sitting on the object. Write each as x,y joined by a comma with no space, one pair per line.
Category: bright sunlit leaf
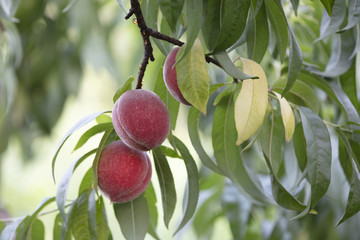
287,116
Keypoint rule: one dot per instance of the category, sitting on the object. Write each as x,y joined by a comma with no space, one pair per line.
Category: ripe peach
170,77
123,173
141,119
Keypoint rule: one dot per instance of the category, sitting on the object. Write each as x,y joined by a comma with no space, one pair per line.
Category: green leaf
193,130
227,154
133,218
281,195
171,103
328,4
2,226
58,224
341,55
171,10
125,87
153,214
194,14
193,78
86,182
330,25
37,231
300,94
224,23
98,153
251,103
353,14
299,142
295,4
230,68
102,228
192,185
318,150
90,133
279,25
63,186
348,84
79,124
295,61
103,119
257,36
170,152
167,185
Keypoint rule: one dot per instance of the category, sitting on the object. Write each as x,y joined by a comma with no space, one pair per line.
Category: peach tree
269,91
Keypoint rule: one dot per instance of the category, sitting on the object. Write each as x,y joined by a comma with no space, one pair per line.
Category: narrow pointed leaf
330,25
9,232
251,103
91,132
287,117
153,214
171,9
126,86
300,146
193,78
58,224
353,14
328,4
192,185
230,68
318,149
102,228
133,218
37,230
78,125
122,6
167,186
193,130
81,218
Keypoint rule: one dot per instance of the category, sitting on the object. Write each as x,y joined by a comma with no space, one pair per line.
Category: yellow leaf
251,103
287,116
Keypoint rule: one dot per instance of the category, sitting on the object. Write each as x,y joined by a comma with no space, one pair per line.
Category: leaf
295,4
224,23
169,152
122,6
171,9
226,152
102,144
251,103
341,51
153,214
295,61
69,6
330,25
37,230
91,132
230,68
281,195
299,142
328,4
102,228
9,232
171,103
82,122
192,185
318,150
125,87
2,226
300,94
193,78
133,218
279,25
86,182
103,119
348,84
194,14
193,131
353,14
167,185
257,36
58,224
63,186
287,117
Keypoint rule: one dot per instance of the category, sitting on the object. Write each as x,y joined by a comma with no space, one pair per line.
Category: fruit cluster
141,119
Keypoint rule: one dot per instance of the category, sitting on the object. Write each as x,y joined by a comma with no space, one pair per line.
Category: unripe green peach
123,173
141,119
170,77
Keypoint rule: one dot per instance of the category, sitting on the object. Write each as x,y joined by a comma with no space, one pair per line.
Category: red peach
170,77
141,119
123,173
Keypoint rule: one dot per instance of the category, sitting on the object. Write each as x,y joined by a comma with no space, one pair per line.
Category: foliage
272,121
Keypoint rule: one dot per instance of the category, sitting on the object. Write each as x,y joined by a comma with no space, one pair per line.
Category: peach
170,77
141,119
123,172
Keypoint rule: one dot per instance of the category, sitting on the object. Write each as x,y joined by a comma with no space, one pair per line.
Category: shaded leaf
102,228
318,149
9,232
251,103
167,185
299,142
133,218
37,230
230,68
193,78
82,122
153,214
353,14
192,185
171,10
170,152
328,4
57,229
330,25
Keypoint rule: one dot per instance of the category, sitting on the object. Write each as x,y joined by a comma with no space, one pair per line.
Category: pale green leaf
251,103
230,68
58,224
90,133
193,78
37,231
126,86
287,117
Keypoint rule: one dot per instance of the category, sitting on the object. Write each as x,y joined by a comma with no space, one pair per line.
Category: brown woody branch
146,32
